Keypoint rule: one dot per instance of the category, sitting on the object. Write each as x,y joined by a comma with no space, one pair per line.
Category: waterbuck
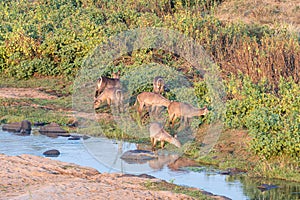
105,82
158,133
110,95
151,99
185,111
159,85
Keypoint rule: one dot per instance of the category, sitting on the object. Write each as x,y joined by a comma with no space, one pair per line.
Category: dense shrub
273,119
64,32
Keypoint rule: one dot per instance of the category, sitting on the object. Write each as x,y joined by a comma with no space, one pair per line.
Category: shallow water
104,155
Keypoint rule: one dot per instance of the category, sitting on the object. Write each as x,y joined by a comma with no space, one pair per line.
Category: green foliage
271,118
52,38
19,113
165,186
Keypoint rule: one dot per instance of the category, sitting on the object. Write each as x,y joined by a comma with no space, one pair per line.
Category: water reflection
285,190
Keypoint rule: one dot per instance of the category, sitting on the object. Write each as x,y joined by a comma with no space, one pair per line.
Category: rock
78,137
74,137
12,127
138,156
85,137
53,130
51,153
141,176
264,187
74,124
232,171
23,127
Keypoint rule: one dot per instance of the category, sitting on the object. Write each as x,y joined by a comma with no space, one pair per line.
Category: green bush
64,32
273,119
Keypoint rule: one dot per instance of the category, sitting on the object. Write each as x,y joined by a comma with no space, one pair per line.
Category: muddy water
104,155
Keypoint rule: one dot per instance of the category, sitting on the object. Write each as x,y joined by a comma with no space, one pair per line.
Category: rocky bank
33,177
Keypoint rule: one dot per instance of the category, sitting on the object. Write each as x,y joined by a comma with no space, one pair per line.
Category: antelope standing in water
158,133
185,111
150,99
105,82
110,95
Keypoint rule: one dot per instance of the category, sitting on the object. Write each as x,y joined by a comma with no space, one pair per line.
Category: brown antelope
158,85
151,99
110,95
158,133
105,82
185,111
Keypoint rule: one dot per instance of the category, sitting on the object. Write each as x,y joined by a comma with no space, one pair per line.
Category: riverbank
31,177
50,100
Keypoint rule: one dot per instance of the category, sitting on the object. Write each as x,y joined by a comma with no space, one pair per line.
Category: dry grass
275,13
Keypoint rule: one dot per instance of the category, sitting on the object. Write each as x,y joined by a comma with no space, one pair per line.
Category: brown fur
105,82
111,95
150,99
158,133
185,111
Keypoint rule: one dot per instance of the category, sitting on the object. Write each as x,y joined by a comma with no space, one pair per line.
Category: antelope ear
99,82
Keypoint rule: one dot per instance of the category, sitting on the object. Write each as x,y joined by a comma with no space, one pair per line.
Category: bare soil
19,93
33,177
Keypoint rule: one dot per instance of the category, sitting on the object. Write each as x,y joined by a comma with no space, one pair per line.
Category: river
104,155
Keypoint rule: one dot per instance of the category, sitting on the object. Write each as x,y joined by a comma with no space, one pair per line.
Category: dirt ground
19,93
33,177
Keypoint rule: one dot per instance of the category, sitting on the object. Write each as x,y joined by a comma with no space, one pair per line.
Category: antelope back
150,98
155,128
175,108
109,94
185,109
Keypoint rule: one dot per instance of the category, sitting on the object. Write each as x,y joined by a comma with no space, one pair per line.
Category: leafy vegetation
259,64
271,118
53,37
